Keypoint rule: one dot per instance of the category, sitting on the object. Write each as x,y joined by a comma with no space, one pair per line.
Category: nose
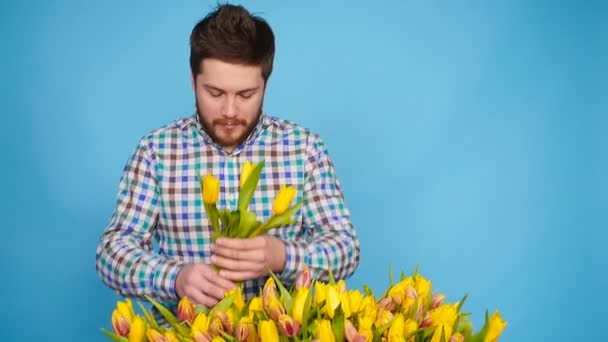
229,106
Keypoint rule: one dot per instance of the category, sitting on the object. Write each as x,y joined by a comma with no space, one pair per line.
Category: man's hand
244,259
201,284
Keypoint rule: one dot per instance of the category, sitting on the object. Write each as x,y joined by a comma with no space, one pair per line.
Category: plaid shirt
159,196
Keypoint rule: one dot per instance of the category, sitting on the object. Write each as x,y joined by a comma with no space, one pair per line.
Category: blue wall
471,139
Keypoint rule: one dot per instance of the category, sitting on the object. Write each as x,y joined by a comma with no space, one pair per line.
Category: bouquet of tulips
312,311
242,223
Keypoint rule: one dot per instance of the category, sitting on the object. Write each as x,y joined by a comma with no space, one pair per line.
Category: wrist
278,255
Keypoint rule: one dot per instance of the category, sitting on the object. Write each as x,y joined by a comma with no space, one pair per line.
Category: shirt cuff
164,279
295,253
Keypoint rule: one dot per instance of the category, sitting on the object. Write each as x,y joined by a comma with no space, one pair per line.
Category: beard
240,131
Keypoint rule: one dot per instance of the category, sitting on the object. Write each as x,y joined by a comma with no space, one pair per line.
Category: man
231,59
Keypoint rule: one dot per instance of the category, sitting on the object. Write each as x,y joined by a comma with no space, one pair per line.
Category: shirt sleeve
332,243
126,261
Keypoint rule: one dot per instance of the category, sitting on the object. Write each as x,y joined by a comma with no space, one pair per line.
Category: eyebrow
209,86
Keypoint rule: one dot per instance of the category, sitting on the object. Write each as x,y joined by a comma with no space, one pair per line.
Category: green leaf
198,308
368,291
461,303
332,280
234,219
249,187
171,319
114,337
285,295
248,225
275,221
222,306
149,316
465,327
224,216
338,324
391,277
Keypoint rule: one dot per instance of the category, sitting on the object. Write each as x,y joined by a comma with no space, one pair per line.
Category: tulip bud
275,309
268,331
303,280
283,200
120,324
185,310
457,337
387,303
395,331
138,330
155,336
211,189
170,337
427,321
436,300
299,301
289,326
243,329
247,168
215,326
225,320
324,331
269,291
351,334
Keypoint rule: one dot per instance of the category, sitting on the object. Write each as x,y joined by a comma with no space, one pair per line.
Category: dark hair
231,34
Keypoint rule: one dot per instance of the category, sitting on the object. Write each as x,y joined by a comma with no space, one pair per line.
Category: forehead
229,76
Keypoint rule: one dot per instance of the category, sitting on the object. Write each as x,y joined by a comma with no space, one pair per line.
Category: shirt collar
263,122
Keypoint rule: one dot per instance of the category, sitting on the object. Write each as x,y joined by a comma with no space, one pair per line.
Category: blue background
470,137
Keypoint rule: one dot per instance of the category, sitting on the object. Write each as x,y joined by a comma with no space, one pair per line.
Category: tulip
495,327
268,331
443,318
332,300
275,309
122,317
200,328
255,305
365,327
170,337
436,300
289,326
355,299
351,334
324,331
138,330
185,310
211,189
320,291
410,326
299,301
269,291
247,168
457,337
395,331
423,287
304,280
283,199
237,295
155,336
383,317
225,319
242,329
387,303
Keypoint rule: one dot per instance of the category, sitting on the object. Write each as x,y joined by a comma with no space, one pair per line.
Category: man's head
231,57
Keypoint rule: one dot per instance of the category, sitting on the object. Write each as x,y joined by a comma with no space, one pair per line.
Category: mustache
224,121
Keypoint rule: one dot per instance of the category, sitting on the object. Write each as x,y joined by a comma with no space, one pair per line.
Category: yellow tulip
218,339
268,331
304,279
320,291
185,310
138,330
283,199
395,331
237,297
384,317
332,300
288,325
495,328
398,291
423,287
170,337
457,337
345,303
255,305
122,317
297,310
355,299
410,326
211,189
200,326
246,171
324,331
155,336
365,327
243,328
443,318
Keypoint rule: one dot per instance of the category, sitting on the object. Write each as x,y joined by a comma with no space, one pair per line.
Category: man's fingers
217,284
240,275
241,244
237,265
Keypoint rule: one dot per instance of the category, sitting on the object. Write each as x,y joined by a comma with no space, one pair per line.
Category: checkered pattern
159,196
